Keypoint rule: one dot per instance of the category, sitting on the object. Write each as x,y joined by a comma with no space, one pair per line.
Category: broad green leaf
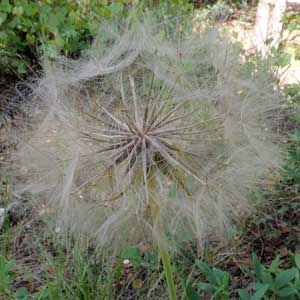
204,268
134,255
18,10
257,286
296,135
297,259
285,277
286,292
283,59
207,287
21,68
248,271
3,17
220,276
275,264
5,6
6,276
131,252
191,293
260,292
22,294
258,268
244,295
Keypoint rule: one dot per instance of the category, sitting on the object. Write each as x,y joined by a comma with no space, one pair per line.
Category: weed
7,276
265,282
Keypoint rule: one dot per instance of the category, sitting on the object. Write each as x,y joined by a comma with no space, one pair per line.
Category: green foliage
164,8
138,259
292,165
217,11
220,11
218,281
279,58
292,21
232,3
31,28
66,27
271,282
282,59
7,276
266,282
293,93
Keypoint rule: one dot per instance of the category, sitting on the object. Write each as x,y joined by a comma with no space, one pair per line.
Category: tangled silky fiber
151,134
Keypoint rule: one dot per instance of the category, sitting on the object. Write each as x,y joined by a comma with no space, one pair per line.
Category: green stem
164,253
168,273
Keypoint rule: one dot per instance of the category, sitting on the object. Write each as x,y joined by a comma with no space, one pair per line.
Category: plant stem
163,251
168,273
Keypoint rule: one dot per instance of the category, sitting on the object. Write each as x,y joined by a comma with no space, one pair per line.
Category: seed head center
142,132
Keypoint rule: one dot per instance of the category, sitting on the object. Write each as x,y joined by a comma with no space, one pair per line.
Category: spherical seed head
136,125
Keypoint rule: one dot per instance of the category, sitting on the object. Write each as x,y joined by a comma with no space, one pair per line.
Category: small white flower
57,230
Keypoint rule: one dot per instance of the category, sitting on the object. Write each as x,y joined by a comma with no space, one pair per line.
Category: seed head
178,124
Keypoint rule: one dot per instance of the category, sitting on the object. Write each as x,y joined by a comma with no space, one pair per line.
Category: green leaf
116,8
226,279
134,255
22,294
191,293
6,6
3,17
268,279
258,268
244,295
285,277
283,59
207,287
131,252
260,292
151,261
297,259
21,68
286,292
275,264
18,10
30,38
6,275
203,267
248,271
222,278
296,136
104,11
